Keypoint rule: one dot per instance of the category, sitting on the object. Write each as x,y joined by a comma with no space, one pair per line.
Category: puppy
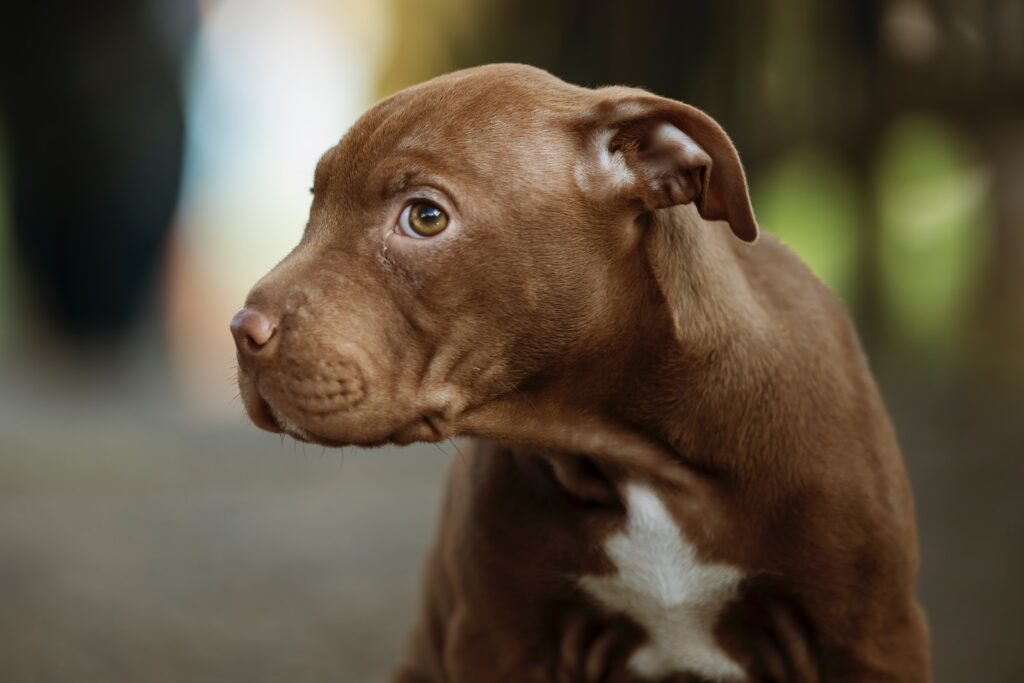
684,469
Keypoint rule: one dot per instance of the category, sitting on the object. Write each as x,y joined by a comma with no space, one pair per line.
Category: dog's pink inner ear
681,156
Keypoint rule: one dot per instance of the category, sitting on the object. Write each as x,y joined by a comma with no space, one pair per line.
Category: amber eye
422,219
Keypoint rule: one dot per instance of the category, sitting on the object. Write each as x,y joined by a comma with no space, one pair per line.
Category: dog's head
469,236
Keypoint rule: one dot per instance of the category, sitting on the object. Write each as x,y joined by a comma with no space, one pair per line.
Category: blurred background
155,160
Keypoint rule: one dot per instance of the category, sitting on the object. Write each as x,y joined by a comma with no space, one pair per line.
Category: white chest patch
662,585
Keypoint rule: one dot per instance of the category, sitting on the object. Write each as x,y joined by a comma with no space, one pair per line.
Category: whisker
457,449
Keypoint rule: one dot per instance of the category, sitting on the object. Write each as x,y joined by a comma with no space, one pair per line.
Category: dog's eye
422,219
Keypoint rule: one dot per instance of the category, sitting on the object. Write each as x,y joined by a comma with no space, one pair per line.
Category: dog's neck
674,334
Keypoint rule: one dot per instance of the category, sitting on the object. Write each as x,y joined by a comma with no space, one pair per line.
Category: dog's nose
252,330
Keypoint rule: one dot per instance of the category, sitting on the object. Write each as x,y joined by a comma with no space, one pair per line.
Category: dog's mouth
268,418
429,427
258,408
275,412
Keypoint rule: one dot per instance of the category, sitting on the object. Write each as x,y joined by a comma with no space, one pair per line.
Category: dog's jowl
683,469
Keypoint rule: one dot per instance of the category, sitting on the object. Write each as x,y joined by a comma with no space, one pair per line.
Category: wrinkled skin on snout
365,335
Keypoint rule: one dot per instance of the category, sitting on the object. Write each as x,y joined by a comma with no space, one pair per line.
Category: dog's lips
430,427
265,415
272,411
266,418
259,410
275,419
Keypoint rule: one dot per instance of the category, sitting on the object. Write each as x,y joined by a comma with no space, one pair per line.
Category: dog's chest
661,584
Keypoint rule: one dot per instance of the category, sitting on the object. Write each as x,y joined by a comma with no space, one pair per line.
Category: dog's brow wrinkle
395,184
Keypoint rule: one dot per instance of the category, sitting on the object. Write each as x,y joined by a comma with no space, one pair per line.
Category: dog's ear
656,153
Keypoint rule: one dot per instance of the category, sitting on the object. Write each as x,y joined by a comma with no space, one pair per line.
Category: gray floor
138,544
139,548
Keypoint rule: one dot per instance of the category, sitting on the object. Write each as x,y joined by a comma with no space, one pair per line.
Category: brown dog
688,473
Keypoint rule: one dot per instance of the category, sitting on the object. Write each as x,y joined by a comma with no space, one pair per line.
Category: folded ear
658,153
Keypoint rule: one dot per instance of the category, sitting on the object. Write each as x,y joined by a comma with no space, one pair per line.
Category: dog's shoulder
805,310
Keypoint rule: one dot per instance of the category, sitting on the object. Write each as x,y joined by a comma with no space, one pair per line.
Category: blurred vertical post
91,99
